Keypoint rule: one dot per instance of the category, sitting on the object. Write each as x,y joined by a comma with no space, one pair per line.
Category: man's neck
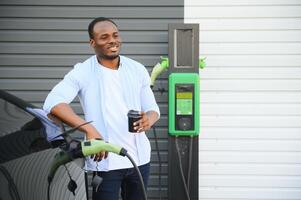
111,64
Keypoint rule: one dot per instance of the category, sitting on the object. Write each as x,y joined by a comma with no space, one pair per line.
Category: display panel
184,103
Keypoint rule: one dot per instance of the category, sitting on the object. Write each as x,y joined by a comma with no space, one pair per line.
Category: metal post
183,58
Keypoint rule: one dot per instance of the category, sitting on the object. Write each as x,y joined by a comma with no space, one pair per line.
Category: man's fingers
142,126
136,123
98,157
142,120
141,123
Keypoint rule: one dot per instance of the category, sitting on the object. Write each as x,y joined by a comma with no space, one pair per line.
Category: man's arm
65,113
148,104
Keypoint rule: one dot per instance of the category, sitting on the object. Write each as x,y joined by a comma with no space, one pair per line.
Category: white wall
250,139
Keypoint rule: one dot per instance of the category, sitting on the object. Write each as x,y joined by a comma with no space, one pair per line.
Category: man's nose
112,40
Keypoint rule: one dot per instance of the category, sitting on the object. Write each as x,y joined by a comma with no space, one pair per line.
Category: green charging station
183,103
183,65
183,111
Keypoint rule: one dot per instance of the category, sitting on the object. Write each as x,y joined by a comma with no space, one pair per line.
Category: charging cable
86,148
159,160
185,184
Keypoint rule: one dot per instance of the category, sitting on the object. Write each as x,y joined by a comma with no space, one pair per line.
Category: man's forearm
65,113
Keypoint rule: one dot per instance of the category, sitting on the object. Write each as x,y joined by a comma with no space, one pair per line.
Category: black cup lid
134,113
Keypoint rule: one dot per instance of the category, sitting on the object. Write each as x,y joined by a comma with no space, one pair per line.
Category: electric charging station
183,104
183,111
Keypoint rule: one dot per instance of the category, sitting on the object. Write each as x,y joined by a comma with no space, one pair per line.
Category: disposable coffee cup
133,116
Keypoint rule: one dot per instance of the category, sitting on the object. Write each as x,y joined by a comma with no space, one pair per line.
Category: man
108,86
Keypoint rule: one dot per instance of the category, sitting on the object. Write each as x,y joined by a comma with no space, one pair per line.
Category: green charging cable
87,148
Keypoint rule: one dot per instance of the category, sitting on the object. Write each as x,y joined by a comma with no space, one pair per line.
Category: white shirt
90,81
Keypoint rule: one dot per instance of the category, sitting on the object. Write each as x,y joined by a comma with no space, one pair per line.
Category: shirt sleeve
148,101
64,92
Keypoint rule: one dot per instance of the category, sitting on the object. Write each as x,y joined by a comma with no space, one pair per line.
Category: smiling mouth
114,48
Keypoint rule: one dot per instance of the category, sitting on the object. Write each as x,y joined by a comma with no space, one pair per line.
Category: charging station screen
184,103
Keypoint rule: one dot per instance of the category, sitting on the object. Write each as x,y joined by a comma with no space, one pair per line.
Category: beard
105,55
109,57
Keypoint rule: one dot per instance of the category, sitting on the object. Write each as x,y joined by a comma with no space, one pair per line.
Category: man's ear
92,43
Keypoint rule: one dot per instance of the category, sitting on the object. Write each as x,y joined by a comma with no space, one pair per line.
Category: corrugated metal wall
250,135
41,40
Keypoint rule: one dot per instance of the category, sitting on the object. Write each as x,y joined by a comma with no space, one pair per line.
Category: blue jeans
126,179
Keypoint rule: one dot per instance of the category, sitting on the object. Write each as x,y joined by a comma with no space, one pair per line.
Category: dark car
29,141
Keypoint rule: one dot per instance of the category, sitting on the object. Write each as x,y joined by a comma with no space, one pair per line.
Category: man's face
106,40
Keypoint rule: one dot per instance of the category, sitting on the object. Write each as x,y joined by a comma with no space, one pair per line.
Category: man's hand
65,113
146,121
93,134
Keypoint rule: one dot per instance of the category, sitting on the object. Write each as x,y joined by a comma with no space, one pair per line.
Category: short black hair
99,19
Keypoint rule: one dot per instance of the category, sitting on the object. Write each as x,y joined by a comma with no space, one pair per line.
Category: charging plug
72,186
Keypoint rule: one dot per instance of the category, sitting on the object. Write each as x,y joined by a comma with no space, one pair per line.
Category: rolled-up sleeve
148,101
64,92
